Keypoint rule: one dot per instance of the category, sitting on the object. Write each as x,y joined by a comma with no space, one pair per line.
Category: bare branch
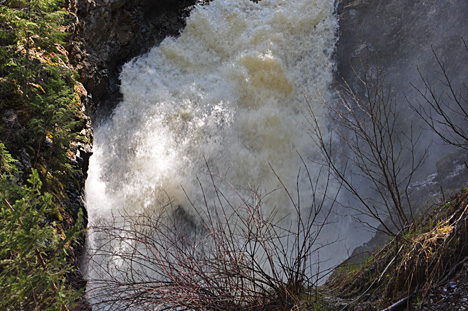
233,257
371,148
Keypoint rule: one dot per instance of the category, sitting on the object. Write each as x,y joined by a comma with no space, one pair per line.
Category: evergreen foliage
37,85
33,253
37,91
7,173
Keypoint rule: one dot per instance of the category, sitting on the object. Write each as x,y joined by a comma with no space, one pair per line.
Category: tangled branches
216,257
369,146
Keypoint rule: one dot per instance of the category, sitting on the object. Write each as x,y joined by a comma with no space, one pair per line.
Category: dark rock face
402,37
112,32
401,34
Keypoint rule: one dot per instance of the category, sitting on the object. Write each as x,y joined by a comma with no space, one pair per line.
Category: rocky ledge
112,32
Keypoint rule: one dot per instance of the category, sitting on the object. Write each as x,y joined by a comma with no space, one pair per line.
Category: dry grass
409,265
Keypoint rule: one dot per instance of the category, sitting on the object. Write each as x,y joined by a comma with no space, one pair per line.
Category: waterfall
227,97
229,91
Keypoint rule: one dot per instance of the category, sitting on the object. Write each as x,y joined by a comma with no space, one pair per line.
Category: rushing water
227,95
230,90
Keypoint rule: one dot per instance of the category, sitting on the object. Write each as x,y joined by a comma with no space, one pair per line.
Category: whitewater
227,98
229,91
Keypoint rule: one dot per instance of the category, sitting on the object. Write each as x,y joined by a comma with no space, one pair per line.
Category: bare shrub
445,111
220,256
370,151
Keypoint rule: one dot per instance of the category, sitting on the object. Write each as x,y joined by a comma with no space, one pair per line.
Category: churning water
227,95
230,90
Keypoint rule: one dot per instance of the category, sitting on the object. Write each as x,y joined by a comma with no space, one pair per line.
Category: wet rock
400,37
112,32
24,160
450,296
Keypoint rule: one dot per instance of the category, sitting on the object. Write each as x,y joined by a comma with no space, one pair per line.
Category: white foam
228,90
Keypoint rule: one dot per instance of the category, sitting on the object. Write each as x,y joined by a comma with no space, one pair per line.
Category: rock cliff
112,32
402,38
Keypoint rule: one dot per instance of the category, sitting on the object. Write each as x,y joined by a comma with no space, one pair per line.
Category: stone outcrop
398,29
403,38
112,32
